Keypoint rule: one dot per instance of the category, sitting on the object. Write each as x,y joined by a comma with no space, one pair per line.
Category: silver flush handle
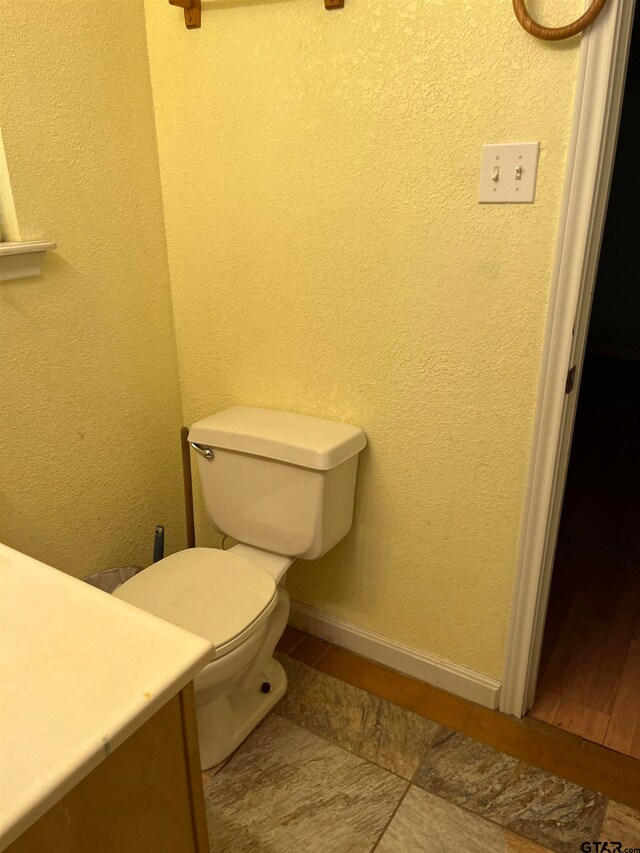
207,452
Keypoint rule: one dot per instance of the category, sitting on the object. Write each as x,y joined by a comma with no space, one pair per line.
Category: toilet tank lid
297,439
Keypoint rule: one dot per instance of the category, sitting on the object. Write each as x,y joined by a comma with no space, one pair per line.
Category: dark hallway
590,667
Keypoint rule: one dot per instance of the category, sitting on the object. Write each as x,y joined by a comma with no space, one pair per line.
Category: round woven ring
556,33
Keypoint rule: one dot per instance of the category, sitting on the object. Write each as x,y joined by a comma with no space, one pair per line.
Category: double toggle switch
508,174
496,173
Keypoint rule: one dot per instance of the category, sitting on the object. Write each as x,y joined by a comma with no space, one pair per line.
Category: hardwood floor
590,667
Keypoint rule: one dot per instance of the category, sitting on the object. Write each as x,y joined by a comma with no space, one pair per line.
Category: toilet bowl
283,486
236,604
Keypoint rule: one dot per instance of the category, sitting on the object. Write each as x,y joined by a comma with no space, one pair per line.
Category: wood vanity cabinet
145,797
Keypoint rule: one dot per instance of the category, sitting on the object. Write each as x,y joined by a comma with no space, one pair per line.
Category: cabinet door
146,796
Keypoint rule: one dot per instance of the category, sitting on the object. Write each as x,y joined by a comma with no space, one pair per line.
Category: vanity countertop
80,671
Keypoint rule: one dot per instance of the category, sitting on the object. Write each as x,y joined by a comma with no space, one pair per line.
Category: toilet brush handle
158,544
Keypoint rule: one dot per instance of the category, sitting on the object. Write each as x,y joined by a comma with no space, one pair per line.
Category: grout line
388,823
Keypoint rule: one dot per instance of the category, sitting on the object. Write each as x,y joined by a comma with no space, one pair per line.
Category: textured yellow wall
89,400
328,256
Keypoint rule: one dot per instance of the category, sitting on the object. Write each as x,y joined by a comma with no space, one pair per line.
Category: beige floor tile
425,823
289,791
518,844
622,824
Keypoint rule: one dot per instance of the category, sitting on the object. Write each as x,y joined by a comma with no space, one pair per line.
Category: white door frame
604,52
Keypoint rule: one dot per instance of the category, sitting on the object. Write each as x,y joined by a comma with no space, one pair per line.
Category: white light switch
508,173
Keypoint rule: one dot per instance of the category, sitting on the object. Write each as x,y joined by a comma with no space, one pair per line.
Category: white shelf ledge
22,260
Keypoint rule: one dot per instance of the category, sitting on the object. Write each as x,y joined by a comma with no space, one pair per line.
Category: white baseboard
433,670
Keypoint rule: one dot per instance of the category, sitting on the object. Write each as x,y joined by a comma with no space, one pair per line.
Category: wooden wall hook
333,4
192,12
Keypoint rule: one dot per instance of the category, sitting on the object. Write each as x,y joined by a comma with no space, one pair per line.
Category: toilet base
234,692
225,722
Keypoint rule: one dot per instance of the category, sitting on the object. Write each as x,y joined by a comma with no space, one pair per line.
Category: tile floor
338,769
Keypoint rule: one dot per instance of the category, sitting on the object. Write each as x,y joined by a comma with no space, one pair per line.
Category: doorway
589,672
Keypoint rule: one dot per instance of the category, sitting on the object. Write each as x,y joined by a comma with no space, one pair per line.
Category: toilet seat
215,594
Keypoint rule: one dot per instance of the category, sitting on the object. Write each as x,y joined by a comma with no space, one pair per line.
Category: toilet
282,486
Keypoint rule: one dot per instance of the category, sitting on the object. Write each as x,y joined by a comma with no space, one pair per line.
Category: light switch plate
508,173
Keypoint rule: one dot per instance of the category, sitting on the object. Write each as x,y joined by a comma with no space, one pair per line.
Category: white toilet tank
278,481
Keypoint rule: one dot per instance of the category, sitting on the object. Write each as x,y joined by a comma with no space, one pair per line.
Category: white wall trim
433,670
604,52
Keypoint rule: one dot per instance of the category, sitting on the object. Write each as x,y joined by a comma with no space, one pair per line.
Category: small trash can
110,579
